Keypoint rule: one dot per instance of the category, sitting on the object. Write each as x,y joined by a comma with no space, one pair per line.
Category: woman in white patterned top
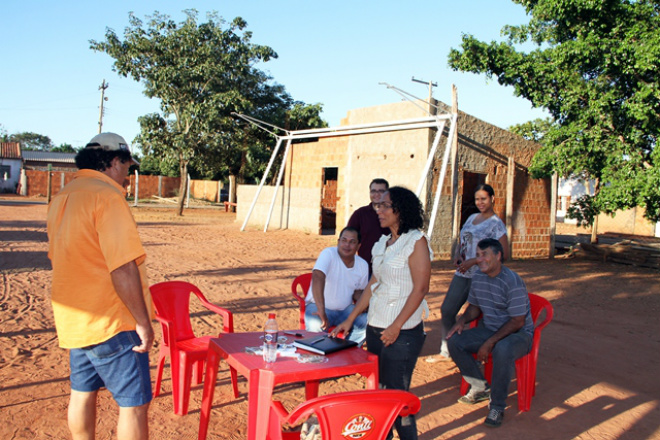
479,226
395,295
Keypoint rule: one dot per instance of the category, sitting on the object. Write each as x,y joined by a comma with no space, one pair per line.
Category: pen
300,335
317,340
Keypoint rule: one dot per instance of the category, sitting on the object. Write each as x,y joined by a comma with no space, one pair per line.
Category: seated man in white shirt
338,279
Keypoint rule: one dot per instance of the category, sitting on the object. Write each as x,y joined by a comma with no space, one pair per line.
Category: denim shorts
114,365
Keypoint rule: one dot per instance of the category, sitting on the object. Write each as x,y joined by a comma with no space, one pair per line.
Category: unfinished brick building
326,180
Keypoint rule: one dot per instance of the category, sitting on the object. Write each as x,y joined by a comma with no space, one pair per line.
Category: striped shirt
501,298
394,281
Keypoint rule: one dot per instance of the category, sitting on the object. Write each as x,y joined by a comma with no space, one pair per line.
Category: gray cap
110,142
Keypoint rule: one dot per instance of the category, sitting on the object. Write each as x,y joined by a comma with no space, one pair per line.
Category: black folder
324,344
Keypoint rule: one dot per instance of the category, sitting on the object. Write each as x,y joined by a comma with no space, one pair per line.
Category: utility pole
431,84
102,88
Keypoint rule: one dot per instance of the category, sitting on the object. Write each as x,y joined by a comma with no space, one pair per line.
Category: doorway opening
329,201
470,183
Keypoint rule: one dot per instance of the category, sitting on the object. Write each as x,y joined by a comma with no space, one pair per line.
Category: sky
334,53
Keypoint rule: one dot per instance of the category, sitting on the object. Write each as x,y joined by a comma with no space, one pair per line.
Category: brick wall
149,186
485,149
37,184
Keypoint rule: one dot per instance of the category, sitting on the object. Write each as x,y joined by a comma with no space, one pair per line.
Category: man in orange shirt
100,293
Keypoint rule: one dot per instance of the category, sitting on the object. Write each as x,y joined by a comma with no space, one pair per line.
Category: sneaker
494,418
442,357
473,396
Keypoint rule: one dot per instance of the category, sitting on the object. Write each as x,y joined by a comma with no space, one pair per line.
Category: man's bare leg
133,423
82,415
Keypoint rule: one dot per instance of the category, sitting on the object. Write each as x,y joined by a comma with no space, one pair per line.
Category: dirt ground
598,364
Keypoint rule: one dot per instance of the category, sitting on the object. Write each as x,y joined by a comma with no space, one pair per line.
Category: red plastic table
263,378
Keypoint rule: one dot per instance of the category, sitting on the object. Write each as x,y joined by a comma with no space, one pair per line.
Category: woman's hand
390,335
466,265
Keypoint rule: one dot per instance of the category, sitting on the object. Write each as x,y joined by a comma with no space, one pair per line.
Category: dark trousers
395,367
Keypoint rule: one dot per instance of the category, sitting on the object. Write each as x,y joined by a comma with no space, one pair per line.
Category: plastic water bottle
270,339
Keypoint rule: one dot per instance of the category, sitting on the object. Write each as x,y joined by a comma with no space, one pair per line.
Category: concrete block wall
398,157
295,208
205,189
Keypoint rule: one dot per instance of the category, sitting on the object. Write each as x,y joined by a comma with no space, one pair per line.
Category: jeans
457,294
395,367
336,317
113,364
505,353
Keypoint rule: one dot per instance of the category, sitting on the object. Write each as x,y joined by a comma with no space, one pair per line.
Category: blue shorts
114,365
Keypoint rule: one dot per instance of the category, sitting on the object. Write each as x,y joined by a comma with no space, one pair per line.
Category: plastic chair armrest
227,316
168,331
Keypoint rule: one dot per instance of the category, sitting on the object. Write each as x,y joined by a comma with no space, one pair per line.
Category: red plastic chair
303,281
526,365
354,414
187,353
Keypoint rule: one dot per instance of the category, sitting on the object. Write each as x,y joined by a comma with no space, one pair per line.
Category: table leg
262,383
311,389
210,378
372,379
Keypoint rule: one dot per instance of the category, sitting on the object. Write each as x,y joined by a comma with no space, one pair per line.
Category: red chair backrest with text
354,414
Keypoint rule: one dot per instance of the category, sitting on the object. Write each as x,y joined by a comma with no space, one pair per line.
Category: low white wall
298,209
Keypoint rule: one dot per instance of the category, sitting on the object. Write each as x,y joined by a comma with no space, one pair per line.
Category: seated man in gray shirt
506,330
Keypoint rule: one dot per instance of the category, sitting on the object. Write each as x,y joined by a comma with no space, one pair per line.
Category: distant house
39,160
10,166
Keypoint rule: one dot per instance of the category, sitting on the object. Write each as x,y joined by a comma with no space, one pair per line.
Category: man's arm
126,280
512,325
318,292
472,312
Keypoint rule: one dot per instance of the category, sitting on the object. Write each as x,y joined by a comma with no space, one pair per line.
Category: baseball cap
110,142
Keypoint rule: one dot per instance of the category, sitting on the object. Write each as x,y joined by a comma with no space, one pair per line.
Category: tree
32,141
4,137
64,148
595,69
198,73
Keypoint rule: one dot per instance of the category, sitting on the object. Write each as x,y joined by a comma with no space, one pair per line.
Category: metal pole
261,184
553,213
187,190
137,188
277,186
443,172
102,88
50,178
429,160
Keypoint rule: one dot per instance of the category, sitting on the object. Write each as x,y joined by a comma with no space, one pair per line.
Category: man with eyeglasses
365,220
338,279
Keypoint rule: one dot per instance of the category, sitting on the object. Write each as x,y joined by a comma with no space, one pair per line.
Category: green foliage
200,73
64,148
4,137
32,141
595,69
583,210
